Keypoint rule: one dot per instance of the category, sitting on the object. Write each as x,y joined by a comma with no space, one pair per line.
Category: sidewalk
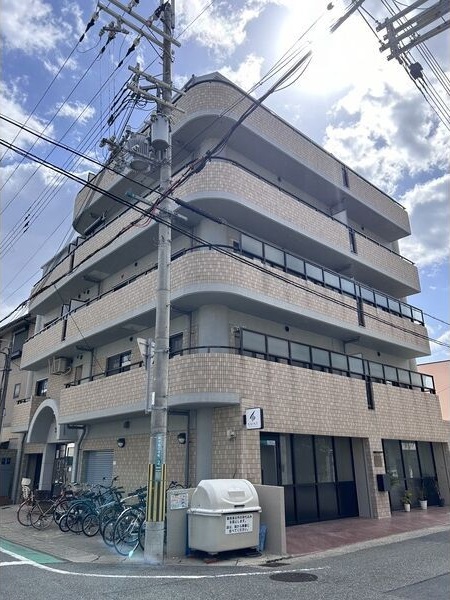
302,540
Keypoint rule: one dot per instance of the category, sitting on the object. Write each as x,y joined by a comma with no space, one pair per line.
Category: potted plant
406,499
422,496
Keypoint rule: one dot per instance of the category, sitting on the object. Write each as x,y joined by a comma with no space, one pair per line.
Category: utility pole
5,377
156,494
156,353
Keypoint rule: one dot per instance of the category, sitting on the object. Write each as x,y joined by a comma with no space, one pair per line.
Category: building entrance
317,474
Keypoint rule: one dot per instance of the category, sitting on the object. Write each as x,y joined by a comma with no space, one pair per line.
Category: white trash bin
224,515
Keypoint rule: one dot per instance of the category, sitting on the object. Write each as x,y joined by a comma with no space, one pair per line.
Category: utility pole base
154,543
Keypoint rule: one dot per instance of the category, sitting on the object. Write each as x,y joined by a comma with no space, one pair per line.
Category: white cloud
247,74
221,27
387,134
429,210
76,110
12,101
31,26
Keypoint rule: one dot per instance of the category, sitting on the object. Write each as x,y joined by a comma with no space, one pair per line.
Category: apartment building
288,295
15,389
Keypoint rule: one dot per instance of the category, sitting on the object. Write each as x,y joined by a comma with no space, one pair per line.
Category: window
41,387
176,345
20,337
16,393
118,363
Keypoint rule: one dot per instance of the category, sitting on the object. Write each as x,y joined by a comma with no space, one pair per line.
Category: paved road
413,569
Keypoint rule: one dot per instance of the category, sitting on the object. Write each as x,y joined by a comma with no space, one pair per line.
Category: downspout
15,495
17,470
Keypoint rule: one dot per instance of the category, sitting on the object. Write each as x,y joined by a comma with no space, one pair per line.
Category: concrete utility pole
156,496
160,141
5,377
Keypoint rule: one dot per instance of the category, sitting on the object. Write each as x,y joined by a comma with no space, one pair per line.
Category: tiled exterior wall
218,97
205,268
225,178
300,400
108,394
42,344
24,412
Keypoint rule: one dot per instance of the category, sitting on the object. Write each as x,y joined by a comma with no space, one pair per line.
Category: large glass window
426,459
304,459
343,457
324,458
410,459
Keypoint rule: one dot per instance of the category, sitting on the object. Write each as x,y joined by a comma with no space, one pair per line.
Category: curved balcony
285,151
206,277
222,379
224,187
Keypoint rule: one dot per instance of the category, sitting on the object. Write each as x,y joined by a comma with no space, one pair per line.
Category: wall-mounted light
120,442
181,437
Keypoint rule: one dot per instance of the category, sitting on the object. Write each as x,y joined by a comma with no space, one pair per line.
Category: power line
220,249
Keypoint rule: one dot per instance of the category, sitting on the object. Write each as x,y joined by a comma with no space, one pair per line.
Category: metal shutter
98,466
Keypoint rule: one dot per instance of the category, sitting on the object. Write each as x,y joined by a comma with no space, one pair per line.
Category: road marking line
14,562
192,577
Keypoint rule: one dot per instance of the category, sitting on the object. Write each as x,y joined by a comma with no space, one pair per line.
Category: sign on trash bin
238,524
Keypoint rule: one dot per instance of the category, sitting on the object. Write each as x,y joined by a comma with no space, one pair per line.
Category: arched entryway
59,443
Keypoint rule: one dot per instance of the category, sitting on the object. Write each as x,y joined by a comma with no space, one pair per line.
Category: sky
350,99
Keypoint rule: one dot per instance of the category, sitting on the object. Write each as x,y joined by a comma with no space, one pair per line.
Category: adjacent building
288,295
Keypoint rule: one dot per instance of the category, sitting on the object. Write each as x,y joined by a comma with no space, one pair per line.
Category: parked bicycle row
91,510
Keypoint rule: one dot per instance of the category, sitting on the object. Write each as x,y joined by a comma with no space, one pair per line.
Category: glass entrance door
316,472
270,459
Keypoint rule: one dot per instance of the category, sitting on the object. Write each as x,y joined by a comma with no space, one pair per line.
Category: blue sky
350,99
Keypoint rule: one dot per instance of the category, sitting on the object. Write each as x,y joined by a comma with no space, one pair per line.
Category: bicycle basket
43,494
26,492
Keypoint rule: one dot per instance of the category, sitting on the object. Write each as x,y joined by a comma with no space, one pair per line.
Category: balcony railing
261,346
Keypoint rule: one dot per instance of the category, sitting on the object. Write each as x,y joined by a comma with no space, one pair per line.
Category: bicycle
24,511
137,497
46,510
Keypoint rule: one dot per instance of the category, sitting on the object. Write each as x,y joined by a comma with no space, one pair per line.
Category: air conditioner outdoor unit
60,365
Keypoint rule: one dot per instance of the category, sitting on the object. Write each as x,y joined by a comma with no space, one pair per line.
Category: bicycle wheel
91,525
108,532
126,532
75,516
41,515
109,513
24,513
62,523
60,509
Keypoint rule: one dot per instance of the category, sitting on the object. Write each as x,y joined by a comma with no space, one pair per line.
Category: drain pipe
17,470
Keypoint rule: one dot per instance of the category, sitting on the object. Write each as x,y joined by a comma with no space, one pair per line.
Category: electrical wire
204,242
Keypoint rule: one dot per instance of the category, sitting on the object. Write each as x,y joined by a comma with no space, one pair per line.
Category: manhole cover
294,577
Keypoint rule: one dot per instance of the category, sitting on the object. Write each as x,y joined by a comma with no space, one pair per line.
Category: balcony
285,151
214,379
277,215
99,196
208,277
